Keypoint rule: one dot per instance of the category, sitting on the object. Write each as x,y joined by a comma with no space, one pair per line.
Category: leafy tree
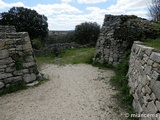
25,19
87,33
154,10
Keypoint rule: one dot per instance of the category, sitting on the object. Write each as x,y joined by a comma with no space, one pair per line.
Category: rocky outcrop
17,62
144,79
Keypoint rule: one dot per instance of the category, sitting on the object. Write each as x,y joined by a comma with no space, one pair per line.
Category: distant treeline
60,37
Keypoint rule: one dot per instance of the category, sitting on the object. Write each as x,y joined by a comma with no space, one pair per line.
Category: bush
37,44
87,33
133,29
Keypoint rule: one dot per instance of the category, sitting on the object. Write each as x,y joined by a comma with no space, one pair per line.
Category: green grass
155,43
71,56
156,26
120,82
77,55
49,58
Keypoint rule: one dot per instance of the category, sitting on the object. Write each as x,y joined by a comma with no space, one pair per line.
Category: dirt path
74,92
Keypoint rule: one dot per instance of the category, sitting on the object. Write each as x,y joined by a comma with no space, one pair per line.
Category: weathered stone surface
9,69
4,54
44,75
1,85
152,108
156,90
150,62
27,47
149,50
12,79
2,66
29,77
158,105
153,97
137,107
148,70
19,72
39,76
5,75
145,81
28,65
148,90
6,61
155,56
29,59
2,43
156,76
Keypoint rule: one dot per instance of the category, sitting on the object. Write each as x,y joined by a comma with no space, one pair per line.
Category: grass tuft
13,88
102,65
120,82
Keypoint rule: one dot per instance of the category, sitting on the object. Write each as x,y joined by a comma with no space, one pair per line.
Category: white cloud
54,9
129,7
4,5
64,16
91,1
94,14
130,4
66,1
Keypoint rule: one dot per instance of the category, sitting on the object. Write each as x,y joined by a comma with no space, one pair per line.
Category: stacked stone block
17,62
144,79
108,48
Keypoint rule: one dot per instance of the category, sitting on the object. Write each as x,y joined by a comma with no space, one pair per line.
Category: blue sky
66,14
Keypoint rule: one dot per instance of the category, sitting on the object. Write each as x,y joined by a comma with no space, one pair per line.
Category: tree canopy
154,10
87,33
26,20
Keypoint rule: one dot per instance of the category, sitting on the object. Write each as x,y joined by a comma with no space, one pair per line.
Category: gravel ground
74,92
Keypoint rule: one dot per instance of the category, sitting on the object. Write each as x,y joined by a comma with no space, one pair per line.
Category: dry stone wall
118,34
144,79
17,62
108,48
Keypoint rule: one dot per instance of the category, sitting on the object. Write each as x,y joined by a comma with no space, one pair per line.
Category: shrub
87,33
37,44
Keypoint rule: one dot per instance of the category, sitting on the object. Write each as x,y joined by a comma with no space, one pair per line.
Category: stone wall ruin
17,63
118,34
144,79
108,49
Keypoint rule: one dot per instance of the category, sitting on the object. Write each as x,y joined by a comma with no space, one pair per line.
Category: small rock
1,85
44,75
39,76
29,77
32,84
